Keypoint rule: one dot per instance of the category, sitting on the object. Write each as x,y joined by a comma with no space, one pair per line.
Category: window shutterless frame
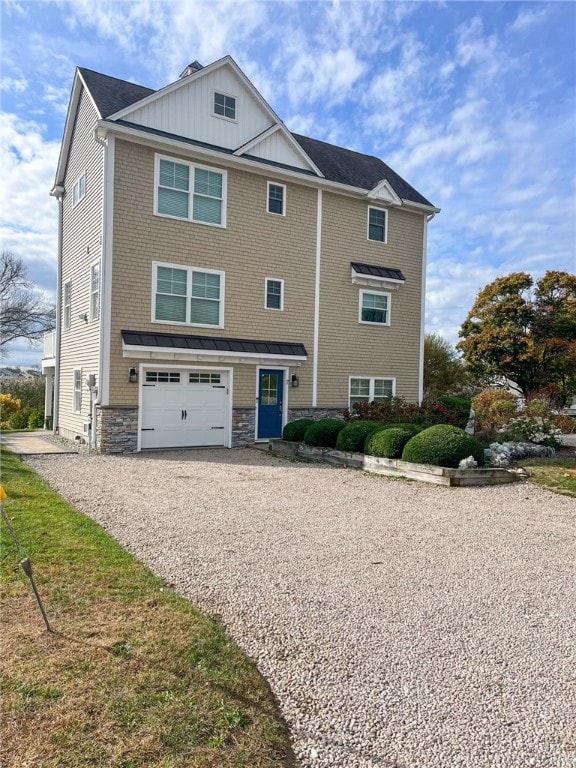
377,225
67,305
94,291
274,293
374,308
276,198
189,191
224,105
192,296
79,189
77,391
367,389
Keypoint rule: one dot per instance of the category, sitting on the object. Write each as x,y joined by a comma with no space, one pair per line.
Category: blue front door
270,395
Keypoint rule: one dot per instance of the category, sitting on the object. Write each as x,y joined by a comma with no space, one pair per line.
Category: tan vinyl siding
254,245
81,247
348,348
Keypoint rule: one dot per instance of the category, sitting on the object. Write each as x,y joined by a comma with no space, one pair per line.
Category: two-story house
219,275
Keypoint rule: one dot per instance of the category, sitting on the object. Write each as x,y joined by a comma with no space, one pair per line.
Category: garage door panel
184,413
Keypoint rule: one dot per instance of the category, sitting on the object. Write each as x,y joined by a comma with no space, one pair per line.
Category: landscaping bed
397,468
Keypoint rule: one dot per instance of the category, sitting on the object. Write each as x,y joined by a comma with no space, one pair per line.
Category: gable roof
355,169
110,94
337,164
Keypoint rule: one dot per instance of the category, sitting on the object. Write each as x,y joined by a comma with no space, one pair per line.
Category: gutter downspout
317,300
427,219
58,193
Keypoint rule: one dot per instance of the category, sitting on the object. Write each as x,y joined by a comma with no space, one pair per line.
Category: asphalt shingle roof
211,344
338,164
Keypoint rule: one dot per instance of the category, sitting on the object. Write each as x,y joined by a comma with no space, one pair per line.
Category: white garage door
182,408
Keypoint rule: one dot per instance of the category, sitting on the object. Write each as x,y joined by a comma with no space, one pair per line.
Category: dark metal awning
371,275
176,346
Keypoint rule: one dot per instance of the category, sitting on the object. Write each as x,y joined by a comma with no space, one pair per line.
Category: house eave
208,356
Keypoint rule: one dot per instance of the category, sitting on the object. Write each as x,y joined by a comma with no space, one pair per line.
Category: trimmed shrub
482,403
324,432
388,442
294,431
36,418
19,419
443,445
413,428
353,436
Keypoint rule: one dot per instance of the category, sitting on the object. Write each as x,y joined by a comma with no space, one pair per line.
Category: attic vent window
225,106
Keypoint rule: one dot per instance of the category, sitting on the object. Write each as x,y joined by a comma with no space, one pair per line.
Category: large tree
444,372
524,332
24,313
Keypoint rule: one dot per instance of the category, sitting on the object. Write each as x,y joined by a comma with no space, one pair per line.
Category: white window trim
189,270
385,212
362,292
230,96
94,316
67,308
78,184
76,393
275,184
191,166
276,280
372,379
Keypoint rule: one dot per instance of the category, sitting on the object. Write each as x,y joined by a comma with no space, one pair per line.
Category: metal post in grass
24,559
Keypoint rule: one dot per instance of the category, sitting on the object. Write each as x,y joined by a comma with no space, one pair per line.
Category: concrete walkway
33,443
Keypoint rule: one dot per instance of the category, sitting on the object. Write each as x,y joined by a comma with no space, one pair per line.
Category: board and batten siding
254,245
188,110
347,347
81,247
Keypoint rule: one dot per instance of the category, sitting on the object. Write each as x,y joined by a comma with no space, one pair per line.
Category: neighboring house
219,275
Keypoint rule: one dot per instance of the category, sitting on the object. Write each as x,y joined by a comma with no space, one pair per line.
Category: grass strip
555,474
133,675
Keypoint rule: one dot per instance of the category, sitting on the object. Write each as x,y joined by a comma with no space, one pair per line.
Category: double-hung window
94,291
377,224
77,392
370,390
188,296
192,192
79,189
67,320
276,199
374,308
274,293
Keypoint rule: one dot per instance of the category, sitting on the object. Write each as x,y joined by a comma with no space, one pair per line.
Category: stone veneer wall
243,426
315,413
117,429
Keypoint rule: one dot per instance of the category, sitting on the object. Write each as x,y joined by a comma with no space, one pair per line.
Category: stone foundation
315,413
243,426
117,429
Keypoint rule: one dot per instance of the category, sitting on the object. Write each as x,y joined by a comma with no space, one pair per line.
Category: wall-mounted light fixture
294,381
132,375
83,316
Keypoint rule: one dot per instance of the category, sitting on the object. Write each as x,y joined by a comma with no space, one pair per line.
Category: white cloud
14,84
527,19
29,220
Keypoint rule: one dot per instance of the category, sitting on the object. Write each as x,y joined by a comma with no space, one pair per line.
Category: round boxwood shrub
295,430
324,432
409,425
444,446
388,442
353,436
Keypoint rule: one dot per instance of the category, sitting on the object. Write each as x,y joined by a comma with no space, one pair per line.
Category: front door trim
285,377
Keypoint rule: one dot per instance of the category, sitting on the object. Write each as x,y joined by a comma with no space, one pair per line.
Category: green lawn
132,675
556,474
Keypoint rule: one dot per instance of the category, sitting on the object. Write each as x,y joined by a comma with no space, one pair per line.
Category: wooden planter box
395,467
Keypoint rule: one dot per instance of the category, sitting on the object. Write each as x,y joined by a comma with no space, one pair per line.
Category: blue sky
474,103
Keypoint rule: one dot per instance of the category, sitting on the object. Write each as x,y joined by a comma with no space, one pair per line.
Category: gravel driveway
399,624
